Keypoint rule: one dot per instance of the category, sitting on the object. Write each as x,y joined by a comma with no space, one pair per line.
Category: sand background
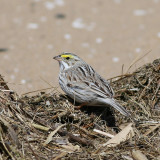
105,33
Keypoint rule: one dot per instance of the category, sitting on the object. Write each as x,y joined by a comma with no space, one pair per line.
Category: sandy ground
105,33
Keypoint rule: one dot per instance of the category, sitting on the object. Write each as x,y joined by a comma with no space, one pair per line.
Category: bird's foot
80,106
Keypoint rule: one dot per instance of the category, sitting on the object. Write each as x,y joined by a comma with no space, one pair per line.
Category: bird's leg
80,106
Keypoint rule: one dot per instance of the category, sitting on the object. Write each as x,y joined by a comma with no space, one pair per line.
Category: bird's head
67,60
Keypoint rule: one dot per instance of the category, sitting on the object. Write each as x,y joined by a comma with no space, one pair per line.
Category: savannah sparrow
83,84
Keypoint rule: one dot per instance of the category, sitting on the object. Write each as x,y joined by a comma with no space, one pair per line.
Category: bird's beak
58,58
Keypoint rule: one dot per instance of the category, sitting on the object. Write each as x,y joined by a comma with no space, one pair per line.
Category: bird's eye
67,58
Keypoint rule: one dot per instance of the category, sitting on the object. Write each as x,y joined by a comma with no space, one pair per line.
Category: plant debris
47,126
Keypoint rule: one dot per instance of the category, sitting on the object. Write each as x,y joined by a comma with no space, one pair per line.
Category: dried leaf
152,128
40,127
103,133
52,134
71,148
138,155
120,137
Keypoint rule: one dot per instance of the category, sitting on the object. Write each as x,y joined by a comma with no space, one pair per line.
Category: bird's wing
92,82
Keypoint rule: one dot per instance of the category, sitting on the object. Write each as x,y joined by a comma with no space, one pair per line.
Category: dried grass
47,126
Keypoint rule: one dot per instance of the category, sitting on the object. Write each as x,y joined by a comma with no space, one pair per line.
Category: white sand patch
117,1
158,34
139,12
99,40
32,26
115,59
49,5
12,77
78,23
59,2
85,45
23,81
138,50
67,36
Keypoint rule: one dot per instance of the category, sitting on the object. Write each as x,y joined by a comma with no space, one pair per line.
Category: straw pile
48,127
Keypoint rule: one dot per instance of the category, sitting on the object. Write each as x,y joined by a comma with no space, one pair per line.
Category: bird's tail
118,107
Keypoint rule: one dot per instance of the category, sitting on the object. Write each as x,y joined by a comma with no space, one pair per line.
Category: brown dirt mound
47,126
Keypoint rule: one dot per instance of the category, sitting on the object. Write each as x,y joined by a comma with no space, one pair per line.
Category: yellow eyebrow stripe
66,55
